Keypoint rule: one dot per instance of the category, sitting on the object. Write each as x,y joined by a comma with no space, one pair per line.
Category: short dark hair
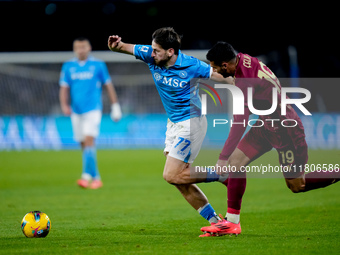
167,38
220,52
82,39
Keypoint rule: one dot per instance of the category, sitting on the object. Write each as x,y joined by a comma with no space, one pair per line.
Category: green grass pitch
137,212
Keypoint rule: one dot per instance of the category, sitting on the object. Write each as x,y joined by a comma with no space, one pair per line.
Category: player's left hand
116,112
221,164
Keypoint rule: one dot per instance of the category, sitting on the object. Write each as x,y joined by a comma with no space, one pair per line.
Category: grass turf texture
137,212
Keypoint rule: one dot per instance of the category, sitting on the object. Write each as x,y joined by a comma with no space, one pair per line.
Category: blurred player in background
81,82
288,141
186,128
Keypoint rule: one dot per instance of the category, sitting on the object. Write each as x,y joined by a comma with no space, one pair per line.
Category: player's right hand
230,80
116,112
66,109
113,41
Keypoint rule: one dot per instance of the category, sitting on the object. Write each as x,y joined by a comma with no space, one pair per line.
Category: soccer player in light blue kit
186,128
81,82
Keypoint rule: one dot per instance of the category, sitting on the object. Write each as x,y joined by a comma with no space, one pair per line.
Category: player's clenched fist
115,44
113,41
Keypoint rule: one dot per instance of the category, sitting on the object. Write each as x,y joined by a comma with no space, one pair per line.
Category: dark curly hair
167,38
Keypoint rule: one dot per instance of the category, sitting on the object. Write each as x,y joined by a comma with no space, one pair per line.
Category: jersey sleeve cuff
133,52
63,84
107,82
210,73
223,157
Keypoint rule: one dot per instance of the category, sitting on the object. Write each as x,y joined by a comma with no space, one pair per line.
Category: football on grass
36,224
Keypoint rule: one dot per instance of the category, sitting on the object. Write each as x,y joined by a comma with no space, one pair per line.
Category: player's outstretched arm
219,78
115,44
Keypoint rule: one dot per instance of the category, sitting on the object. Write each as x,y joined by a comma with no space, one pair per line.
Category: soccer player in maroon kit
262,137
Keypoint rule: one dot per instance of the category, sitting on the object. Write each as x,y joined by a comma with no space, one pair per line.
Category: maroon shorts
293,155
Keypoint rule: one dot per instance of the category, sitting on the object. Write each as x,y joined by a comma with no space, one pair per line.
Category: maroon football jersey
250,72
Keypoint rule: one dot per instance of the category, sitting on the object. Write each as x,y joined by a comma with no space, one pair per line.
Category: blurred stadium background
37,38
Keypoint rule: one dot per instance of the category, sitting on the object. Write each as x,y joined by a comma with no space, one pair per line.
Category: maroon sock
236,187
321,179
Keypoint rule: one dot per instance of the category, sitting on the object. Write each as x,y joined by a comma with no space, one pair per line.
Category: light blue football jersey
85,80
173,83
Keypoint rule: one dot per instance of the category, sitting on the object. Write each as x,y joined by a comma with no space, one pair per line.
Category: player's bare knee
174,171
170,178
296,185
89,141
295,188
166,177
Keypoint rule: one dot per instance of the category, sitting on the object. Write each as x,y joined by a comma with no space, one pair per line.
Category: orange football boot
222,227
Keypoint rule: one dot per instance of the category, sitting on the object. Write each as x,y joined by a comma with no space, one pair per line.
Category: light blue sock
208,213
90,162
86,174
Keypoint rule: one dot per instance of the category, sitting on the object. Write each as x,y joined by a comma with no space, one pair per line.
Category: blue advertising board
55,132
138,131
